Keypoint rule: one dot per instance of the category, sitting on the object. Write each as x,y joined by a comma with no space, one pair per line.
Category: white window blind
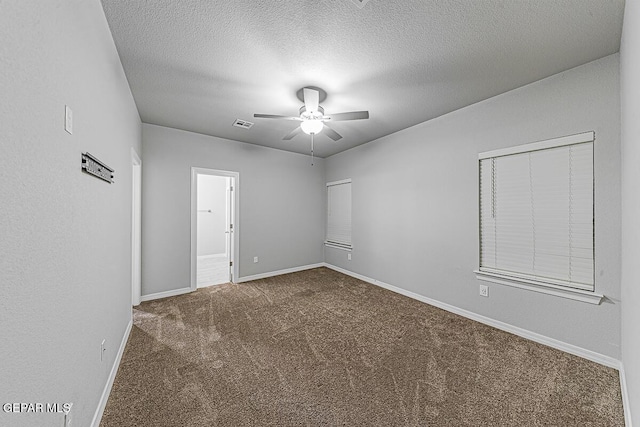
339,214
536,212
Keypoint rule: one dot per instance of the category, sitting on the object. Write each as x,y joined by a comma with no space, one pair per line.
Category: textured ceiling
198,65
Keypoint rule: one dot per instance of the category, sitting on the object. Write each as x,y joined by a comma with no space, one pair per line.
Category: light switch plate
68,119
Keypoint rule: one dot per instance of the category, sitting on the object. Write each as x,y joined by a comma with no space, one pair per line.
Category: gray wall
281,205
212,196
630,89
415,203
65,250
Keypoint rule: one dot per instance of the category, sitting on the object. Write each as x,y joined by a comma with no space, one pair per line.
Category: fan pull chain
311,149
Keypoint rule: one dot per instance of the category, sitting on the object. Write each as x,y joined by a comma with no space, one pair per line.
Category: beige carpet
318,348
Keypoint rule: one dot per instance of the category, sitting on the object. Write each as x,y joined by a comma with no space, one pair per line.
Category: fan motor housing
311,116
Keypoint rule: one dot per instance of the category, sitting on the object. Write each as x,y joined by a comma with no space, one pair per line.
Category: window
339,214
536,216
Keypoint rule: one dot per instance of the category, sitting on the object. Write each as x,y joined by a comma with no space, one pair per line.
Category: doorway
136,203
213,227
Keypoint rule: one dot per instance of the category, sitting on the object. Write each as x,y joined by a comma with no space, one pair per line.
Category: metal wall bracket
93,166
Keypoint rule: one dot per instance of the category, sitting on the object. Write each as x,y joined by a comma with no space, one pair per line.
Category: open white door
230,224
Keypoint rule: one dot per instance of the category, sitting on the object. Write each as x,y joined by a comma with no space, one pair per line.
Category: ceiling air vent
242,124
360,3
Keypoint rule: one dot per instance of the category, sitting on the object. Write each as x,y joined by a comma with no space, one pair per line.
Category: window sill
531,285
338,246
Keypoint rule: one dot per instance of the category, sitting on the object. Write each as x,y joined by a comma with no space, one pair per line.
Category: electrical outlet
102,350
255,259
484,290
68,119
349,257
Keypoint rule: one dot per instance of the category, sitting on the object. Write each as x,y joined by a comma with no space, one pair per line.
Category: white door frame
136,228
234,241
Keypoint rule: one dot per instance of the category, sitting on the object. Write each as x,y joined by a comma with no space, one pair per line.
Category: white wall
281,205
65,248
630,101
212,196
415,203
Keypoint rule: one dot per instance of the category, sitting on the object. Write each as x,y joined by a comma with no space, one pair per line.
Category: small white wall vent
360,3
242,124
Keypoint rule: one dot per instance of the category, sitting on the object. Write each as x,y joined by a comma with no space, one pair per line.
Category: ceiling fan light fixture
311,126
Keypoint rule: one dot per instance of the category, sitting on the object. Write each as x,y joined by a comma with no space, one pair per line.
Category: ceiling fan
312,117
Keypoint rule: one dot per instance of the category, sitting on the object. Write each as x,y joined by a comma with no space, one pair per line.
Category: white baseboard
542,339
181,291
165,294
279,272
625,397
97,417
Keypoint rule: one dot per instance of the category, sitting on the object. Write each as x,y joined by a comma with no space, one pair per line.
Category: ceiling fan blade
293,133
353,115
311,99
275,116
331,133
